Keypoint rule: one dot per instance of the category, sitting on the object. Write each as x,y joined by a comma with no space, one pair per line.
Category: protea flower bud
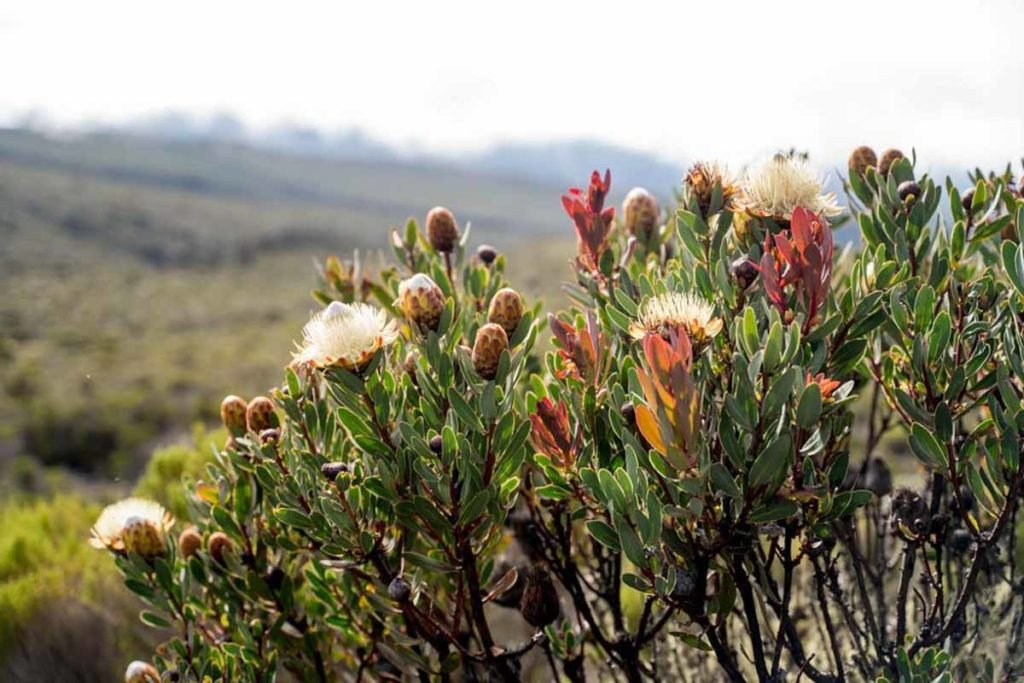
399,590
189,542
219,545
540,605
270,437
909,514
436,444
641,214
421,301
889,157
491,340
967,199
232,414
861,158
908,191
257,414
141,672
486,253
744,272
143,537
331,470
506,310
442,230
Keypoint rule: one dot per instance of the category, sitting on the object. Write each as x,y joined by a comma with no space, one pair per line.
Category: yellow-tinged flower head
506,309
781,185
345,334
703,177
663,313
490,342
421,301
641,214
133,525
141,672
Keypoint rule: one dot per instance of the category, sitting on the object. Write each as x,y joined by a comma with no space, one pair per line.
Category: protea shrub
696,483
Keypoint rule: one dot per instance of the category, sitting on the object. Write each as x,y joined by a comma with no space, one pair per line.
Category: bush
169,466
677,491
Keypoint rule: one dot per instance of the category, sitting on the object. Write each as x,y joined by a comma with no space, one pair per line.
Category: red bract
593,221
799,259
669,420
825,384
582,350
551,433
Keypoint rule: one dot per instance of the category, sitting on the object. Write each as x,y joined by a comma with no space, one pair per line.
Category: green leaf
926,447
630,543
152,619
774,511
604,534
771,462
1013,261
938,338
808,409
924,306
723,481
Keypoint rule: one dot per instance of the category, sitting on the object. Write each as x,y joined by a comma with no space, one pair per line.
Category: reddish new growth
669,420
593,221
582,350
799,259
551,434
825,384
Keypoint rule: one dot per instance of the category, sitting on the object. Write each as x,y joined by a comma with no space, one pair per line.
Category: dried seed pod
436,444
257,414
744,272
539,605
491,341
442,230
331,470
908,191
399,590
189,542
909,514
487,254
421,301
641,214
889,157
219,545
141,672
506,310
232,414
270,437
861,159
143,537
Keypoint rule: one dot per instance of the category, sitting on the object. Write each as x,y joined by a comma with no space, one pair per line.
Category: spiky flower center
346,335
664,312
782,184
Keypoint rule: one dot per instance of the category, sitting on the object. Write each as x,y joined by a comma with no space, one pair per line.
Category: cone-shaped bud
219,546
189,542
861,158
257,414
232,414
141,672
486,253
506,310
641,214
967,200
331,470
744,272
540,605
491,341
143,537
399,590
908,191
889,157
421,301
436,444
270,437
442,230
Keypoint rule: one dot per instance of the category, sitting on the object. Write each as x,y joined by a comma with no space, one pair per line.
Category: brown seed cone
232,414
189,542
141,672
442,230
889,157
491,340
861,158
641,214
506,310
144,538
539,605
270,437
257,414
218,546
421,301
487,254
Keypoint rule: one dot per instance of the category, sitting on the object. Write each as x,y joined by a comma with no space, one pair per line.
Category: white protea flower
672,310
345,334
781,184
134,525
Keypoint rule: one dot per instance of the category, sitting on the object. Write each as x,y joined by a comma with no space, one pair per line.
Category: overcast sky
714,79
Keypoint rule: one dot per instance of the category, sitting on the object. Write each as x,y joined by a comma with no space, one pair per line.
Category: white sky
711,79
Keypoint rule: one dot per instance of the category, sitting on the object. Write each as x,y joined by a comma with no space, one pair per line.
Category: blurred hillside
143,279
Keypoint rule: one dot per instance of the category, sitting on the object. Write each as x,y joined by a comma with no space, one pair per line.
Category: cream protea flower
421,301
344,334
664,312
781,185
135,525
